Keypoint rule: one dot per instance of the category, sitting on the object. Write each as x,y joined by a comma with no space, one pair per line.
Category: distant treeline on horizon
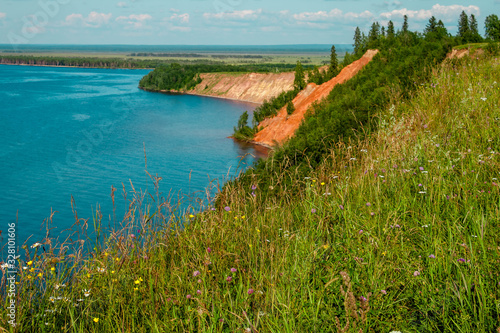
276,49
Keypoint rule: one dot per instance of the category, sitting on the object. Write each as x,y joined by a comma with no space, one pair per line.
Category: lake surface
76,132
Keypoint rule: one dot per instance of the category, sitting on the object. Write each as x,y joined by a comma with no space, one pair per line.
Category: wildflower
254,187
86,293
420,185
52,269
188,296
250,291
101,270
360,232
372,214
191,216
432,256
229,278
198,292
96,320
135,288
416,273
341,207
323,184
483,99
233,270
383,292
209,250
227,209
326,246
29,263
34,246
313,211
461,260
421,168
196,273
363,299
368,204
137,282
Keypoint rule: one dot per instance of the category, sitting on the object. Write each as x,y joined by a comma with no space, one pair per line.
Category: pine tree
463,27
374,33
334,63
390,30
357,41
290,108
300,81
431,27
405,25
492,27
441,30
474,33
382,31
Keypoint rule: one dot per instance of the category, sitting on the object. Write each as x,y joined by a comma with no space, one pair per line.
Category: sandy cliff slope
280,128
252,87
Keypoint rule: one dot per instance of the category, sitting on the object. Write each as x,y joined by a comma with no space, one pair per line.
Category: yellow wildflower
323,184
52,269
96,320
243,216
30,263
135,289
191,215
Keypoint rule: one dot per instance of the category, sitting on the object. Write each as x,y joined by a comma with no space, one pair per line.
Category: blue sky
217,22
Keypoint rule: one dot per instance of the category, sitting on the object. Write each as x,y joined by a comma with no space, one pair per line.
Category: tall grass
397,232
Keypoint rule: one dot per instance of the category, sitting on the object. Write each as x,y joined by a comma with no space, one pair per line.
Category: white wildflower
34,246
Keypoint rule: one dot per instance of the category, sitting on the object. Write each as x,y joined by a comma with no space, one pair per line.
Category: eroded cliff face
280,128
252,87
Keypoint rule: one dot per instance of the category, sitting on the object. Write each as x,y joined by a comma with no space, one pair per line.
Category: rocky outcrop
251,87
280,128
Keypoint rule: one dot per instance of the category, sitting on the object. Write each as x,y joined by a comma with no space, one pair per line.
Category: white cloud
181,18
135,20
2,16
332,16
235,15
93,20
174,10
445,13
122,4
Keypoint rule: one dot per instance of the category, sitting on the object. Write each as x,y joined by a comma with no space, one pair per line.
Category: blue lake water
76,132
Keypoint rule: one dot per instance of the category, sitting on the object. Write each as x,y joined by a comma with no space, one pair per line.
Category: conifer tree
475,37
333,69
431,27
300,81
390,30
374,33
290,108
405,25
441,30
357,41
463,27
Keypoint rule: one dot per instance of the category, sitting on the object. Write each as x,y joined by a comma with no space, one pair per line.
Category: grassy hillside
398,231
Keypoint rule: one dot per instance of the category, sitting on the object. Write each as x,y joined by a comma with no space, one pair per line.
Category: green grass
397,232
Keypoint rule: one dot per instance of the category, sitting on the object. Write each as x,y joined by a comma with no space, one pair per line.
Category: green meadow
398,232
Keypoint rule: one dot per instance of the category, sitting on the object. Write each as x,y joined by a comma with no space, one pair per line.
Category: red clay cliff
280,128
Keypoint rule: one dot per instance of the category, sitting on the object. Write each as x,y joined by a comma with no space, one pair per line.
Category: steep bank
280,128
251,87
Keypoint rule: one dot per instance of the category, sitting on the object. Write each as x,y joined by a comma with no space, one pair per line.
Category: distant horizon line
52,44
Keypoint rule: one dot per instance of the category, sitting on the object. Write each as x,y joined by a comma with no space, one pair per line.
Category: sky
219,22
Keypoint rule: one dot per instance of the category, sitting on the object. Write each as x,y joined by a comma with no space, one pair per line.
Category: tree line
404,62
